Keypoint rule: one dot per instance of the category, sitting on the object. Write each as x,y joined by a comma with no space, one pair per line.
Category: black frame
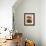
32,20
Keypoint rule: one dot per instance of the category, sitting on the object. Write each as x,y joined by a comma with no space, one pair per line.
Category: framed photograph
29,19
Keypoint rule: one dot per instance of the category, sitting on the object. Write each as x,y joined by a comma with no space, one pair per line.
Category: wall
43,22
6,13
29,32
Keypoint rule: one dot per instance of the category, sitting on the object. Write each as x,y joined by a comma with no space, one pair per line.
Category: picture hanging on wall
29,19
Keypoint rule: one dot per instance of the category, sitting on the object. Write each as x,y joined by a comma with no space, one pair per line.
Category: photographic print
29,19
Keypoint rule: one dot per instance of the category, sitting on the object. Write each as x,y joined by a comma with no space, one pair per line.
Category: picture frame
29,19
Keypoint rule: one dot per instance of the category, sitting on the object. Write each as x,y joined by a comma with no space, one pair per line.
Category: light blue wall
29,32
